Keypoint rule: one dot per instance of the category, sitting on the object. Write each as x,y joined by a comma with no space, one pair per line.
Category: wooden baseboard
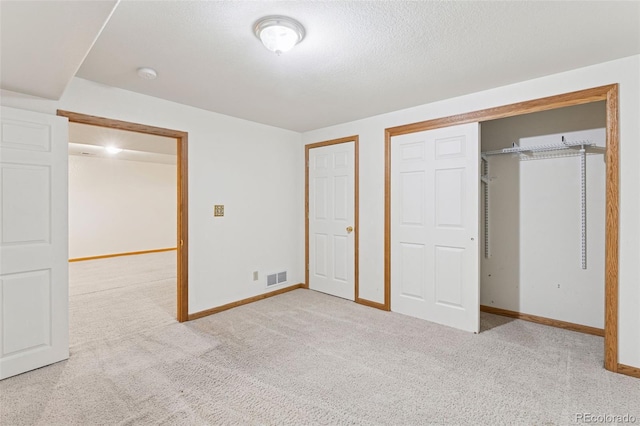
371,304
231,305
542,320
131,253
627,370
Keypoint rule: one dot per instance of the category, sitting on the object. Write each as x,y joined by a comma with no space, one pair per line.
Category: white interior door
331,220
34,327
434,225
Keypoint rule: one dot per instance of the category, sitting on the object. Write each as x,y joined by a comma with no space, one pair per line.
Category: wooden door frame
356,214
182,312
609,94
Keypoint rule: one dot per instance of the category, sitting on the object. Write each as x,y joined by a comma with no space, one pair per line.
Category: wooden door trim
609,94
182,193
356,211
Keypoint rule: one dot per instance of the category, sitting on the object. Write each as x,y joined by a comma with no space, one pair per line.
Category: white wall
625,71
253,169
534,265
120,206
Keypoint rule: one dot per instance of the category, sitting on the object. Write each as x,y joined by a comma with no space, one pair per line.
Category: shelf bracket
583,205
485,178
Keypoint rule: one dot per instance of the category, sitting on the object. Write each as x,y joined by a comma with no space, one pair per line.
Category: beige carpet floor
301,358
116,297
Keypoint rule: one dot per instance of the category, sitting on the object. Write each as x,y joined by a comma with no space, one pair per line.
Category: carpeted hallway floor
300,358
116,297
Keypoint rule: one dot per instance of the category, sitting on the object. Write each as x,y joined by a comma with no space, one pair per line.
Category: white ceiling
43,43
91,141
359,58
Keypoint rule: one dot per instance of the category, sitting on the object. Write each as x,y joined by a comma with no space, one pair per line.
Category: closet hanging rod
541,148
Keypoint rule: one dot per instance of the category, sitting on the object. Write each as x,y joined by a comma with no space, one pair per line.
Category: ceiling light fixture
113,149
279,33
147,73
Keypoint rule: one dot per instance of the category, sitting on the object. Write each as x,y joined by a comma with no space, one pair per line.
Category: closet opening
609,160
542,217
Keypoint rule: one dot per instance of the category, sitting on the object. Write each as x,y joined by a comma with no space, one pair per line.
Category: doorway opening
542,218
608,94
181,200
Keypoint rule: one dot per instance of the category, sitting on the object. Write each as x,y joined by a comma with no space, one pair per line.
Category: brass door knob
349,229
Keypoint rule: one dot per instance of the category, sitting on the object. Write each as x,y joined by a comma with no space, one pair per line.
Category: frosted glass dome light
278,33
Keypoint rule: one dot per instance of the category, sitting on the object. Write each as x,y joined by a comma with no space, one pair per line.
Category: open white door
331,220
34,329
434,225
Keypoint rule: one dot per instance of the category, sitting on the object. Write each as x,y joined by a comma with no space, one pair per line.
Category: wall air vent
272,279
277,278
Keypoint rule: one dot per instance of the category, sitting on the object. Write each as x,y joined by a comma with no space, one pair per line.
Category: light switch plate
218,210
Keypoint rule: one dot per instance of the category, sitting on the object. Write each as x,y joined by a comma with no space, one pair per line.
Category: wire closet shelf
539,152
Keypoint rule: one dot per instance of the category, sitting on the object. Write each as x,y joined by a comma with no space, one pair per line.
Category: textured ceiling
104,136
90,141
43,43
85,150
359,58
